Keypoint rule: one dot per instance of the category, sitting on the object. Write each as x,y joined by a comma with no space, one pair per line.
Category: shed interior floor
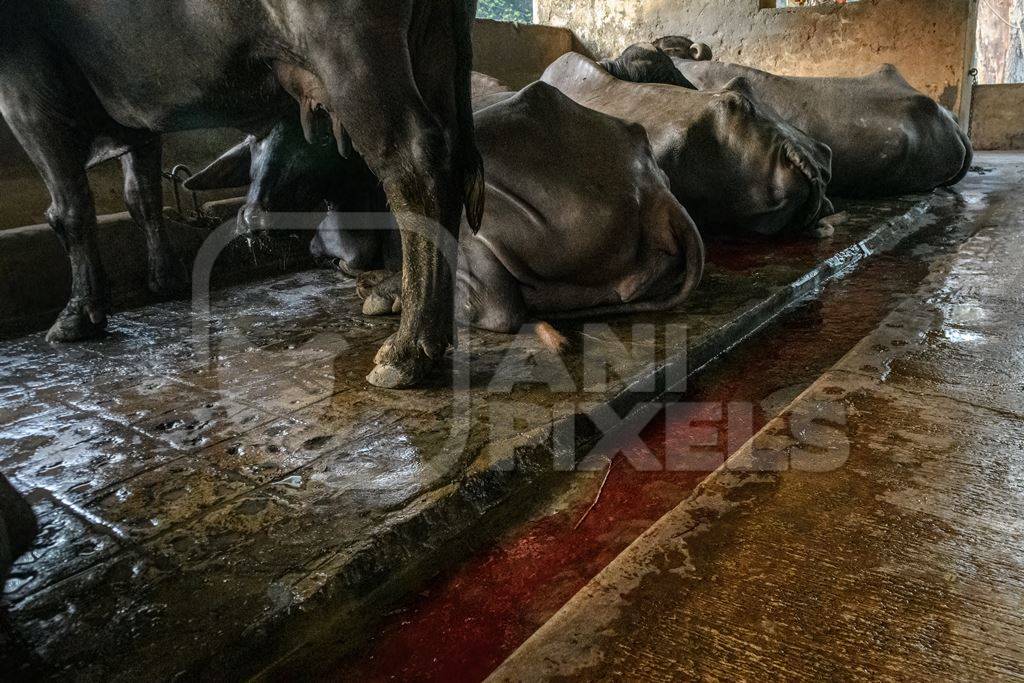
873,531
201,476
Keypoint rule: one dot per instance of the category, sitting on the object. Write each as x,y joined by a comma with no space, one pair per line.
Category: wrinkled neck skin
731,162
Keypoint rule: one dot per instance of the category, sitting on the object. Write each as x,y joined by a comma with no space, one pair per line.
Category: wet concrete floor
219,489
464,624
872,531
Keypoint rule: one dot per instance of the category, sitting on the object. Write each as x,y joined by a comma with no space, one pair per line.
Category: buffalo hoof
375,305
80,320
346,269
823,231
403,366
381,292
366,282
826,227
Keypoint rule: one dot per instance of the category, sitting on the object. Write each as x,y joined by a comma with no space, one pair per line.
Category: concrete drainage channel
445,523
280,611
889,516
463,624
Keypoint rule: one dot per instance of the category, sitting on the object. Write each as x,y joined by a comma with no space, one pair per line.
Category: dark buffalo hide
81,82
735,166
886,137
580,220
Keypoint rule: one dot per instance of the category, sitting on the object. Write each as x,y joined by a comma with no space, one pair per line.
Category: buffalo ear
232,169
739,84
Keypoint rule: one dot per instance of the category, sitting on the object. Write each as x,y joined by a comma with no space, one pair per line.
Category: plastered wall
926,39
997,120
518,53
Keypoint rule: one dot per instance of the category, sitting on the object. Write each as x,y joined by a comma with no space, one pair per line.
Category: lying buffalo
81,82
646,63
653,63
290,180
731,162
579,222
886,137
684,48
595,231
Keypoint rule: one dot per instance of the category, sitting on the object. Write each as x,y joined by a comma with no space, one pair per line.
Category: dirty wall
997,119
926,39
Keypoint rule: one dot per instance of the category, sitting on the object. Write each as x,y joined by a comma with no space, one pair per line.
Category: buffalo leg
381,291
408,148
427,200
72,215
143,194
47,119
60,156
487,295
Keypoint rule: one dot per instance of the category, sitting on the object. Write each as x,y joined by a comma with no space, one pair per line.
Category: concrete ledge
518,53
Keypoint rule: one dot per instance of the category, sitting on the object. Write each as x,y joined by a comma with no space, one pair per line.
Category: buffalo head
645,63
285,175
683,48
291,183
776,175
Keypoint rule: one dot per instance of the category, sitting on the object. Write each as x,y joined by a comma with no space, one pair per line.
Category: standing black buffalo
81,82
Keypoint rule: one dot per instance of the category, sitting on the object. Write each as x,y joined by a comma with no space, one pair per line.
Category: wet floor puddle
467,621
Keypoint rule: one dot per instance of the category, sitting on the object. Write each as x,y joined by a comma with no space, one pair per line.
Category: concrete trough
220,491
37,276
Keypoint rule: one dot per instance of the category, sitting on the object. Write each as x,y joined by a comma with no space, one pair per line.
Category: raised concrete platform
36,280
873,532
219,492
